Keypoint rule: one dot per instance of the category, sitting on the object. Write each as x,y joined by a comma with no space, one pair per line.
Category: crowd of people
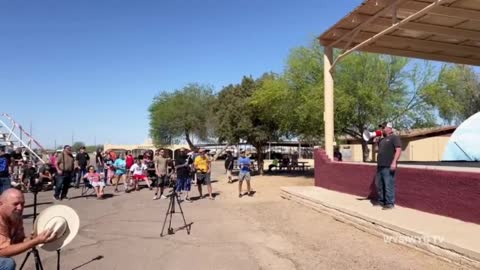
62,170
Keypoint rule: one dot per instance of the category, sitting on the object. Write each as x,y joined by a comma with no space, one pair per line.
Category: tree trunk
365,151
259,149
189,141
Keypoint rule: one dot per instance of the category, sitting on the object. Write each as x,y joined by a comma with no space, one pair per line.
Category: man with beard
12,234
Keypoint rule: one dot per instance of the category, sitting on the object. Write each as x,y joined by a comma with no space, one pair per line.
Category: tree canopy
181,114
369,89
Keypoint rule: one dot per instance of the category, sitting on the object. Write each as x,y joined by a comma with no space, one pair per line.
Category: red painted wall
447,193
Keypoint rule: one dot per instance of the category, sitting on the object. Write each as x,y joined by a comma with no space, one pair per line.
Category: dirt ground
260,232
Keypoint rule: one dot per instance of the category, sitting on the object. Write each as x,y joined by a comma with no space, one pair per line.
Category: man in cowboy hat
12,235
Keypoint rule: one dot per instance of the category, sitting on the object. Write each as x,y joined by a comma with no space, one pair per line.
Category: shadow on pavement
92,260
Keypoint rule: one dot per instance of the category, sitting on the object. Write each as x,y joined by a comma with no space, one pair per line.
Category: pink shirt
93,177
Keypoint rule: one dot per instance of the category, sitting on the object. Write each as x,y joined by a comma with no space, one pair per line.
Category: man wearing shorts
161,162
202,169
244,163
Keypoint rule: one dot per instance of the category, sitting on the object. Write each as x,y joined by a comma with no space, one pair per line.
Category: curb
444,250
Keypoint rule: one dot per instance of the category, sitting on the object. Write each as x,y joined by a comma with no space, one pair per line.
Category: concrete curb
444,250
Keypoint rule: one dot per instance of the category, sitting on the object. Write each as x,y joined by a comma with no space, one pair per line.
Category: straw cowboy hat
64,222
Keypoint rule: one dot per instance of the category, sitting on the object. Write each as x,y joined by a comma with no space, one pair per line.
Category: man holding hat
389,151
12,234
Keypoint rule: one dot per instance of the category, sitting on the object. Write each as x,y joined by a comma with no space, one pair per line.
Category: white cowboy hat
64,222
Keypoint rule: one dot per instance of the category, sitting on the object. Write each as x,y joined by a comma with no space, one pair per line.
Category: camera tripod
34,250
169,215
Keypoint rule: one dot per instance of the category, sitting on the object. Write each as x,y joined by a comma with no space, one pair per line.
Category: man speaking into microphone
389,151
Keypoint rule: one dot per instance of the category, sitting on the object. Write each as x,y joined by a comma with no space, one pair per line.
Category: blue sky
92,68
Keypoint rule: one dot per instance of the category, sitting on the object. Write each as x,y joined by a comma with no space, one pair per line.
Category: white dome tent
464,144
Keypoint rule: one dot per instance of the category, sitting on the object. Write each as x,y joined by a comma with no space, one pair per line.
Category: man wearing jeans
65,168
83,160
12,235
5,168
389,151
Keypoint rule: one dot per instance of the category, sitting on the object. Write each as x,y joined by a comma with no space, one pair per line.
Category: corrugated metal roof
449,31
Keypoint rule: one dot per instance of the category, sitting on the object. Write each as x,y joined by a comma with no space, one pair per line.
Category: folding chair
87,189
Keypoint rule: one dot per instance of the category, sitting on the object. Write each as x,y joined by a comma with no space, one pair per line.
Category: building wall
414,149
427,149
449,193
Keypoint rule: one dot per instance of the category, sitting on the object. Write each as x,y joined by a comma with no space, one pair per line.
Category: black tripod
171,211
34,250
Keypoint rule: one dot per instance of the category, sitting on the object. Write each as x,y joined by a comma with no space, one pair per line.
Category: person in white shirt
138,172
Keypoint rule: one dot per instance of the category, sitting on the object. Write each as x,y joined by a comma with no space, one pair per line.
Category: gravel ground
260,232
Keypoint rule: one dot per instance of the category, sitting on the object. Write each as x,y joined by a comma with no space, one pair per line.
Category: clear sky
91,68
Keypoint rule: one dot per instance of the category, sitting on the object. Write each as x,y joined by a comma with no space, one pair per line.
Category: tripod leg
172,204
165,220
58,259
38,261
183,216
25,260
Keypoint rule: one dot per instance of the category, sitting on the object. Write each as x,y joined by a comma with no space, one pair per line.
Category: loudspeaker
367,135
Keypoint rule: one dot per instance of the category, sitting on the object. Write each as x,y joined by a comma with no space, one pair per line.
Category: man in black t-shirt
83,160
183,168
5,164
389,151
229,160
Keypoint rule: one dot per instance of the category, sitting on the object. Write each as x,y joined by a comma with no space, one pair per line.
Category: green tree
182,113
372,88
239,117
77,145
456,94
304,77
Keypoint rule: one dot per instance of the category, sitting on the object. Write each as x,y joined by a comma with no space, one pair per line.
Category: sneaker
163,197
388,207
250,194
188,199
156,197
56,198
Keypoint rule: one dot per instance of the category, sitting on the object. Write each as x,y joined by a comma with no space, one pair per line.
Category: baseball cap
386,124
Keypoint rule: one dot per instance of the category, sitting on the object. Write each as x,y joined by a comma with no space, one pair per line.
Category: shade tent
440,30
464,144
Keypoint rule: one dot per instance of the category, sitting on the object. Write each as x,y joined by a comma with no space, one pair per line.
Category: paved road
262,232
